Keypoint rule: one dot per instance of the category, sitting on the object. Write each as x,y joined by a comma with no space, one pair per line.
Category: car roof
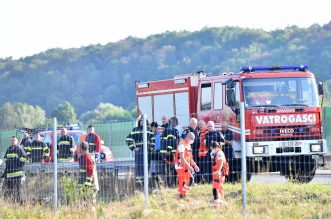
58,131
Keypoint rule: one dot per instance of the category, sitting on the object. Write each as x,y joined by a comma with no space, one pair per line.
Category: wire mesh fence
115,167
292,150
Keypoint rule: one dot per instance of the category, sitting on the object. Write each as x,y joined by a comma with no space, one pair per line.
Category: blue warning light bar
275,68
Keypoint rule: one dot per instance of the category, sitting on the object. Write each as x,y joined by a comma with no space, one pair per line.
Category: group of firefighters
192,155
26,151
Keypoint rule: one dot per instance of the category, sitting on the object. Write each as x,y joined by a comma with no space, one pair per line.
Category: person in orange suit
203,150
219,171
184,164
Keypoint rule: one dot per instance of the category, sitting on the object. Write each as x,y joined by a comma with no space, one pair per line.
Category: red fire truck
283,117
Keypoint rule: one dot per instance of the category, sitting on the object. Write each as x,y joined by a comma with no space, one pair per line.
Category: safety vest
90,138
187,156
39,151
15,160
216,163
203,150
64,146
135,139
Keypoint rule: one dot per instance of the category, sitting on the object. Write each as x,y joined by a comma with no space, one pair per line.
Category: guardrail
120,164
71,167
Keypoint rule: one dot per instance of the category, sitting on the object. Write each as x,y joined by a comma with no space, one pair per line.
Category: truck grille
282,131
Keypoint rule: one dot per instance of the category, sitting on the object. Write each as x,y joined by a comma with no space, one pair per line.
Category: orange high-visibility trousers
183,181
218,185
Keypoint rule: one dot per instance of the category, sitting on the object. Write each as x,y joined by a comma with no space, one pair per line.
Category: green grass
263,201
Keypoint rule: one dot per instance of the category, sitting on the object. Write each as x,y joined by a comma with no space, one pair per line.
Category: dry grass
263,201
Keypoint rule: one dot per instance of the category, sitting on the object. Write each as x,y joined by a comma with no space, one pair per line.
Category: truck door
205,100
217,106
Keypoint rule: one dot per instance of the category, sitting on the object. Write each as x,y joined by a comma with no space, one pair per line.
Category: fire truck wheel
301,170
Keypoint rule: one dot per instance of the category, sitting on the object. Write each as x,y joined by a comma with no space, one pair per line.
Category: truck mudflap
320,159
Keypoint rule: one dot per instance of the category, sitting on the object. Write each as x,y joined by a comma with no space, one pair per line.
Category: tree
21,115
94,74
105,111
65,113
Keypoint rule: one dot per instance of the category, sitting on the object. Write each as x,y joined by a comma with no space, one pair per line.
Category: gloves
23,179
196,168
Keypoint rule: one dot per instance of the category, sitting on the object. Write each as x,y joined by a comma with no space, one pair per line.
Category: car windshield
47,136
280,92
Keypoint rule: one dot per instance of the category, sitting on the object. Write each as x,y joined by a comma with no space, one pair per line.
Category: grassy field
263,201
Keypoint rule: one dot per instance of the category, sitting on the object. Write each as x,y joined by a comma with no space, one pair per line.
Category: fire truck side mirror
320,88
230,97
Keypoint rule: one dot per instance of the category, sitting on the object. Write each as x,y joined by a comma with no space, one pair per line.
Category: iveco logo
286,131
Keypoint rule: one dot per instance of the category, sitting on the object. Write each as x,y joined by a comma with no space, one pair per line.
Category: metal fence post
144,117
55,162
243,157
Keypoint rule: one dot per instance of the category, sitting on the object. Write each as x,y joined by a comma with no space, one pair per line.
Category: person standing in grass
211,136
184,164
135,143
15,159
219,171
86,165
86,172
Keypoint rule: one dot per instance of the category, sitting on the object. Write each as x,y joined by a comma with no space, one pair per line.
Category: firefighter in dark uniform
228,151
93,139
135,143
228,140
26,141
212,136
169,142
65,145
26,144
39,150
15,159
196,144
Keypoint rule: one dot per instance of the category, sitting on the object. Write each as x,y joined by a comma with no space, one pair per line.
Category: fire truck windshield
280,92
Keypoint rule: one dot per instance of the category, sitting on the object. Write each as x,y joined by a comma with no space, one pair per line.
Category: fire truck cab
283,117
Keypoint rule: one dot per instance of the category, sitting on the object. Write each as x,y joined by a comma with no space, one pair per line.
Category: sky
28,27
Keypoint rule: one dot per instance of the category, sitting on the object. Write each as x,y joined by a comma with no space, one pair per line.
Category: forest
105,74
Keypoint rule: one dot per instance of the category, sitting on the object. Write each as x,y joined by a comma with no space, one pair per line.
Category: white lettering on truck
285,119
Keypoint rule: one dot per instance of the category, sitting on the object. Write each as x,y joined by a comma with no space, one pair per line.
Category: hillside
89,75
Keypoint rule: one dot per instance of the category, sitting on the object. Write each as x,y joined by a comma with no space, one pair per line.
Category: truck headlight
258,149
315,147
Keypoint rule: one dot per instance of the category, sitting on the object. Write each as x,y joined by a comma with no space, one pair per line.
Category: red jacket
94,140
88,165
203,150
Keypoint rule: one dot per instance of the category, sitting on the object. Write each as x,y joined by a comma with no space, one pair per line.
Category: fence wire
120,161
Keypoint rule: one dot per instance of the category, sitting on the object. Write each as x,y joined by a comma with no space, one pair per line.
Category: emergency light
275,68
143,85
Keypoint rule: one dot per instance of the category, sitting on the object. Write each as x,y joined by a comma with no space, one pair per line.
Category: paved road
321,177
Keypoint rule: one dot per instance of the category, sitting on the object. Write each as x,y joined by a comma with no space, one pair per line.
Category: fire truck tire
301,170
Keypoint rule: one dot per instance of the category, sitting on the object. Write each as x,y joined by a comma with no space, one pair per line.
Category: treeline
88,76
18,115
